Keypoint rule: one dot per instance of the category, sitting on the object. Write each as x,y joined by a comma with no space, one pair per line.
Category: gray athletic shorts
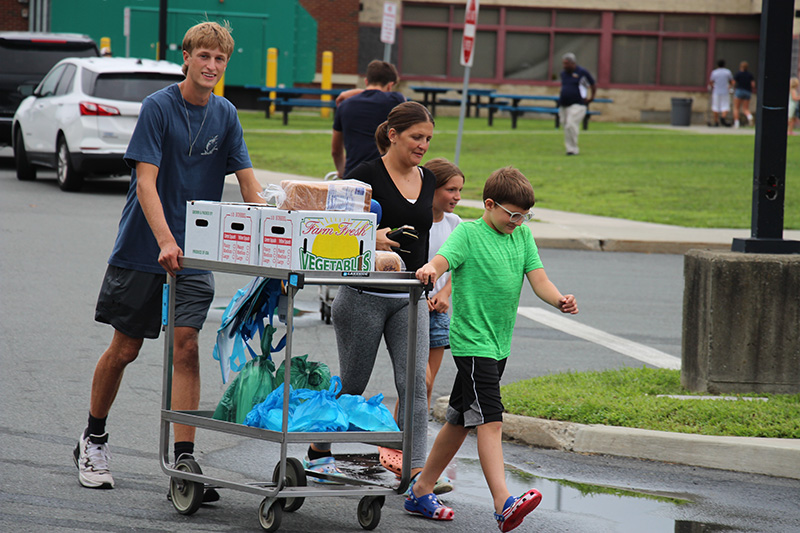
130,301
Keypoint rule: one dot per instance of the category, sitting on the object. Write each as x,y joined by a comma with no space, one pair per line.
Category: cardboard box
318,240
202,230
239,234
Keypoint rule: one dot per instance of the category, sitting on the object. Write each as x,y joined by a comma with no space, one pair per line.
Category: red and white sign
468,42
389,24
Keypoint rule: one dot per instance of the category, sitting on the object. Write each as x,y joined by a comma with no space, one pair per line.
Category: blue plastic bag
367,415
319,410
269,413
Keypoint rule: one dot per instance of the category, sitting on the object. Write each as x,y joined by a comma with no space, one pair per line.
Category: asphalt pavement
564,230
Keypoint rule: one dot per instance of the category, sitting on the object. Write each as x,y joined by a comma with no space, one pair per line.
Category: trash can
681,111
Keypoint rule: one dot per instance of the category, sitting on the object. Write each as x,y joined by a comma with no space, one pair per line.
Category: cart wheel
187,496
327,313
369,511
270,514
295,477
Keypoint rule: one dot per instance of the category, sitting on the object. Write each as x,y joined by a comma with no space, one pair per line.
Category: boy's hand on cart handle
427,274
168,258
567,304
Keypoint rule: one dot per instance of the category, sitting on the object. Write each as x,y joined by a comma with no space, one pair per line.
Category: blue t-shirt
571,84
357,118
162,138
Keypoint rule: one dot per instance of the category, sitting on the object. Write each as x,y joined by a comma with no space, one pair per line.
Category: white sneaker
92,462
735,123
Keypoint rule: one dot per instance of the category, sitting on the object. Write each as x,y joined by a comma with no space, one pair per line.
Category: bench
516,110
285,105
287,98
431,97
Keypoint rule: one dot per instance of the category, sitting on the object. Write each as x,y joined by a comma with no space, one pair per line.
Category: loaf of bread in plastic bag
339,195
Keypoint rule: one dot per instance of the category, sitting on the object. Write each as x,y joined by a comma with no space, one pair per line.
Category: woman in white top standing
449,183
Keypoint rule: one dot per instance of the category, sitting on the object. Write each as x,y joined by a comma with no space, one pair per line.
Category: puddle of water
617,509
629,511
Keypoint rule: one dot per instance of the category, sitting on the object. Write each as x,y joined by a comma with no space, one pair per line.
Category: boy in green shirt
488,259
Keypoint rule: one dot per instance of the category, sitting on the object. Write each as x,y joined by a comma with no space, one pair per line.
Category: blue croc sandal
515,510
428,506
323,465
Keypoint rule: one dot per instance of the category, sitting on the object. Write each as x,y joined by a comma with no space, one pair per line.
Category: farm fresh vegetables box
318,240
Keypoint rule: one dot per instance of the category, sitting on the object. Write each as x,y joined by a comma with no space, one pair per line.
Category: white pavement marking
643,353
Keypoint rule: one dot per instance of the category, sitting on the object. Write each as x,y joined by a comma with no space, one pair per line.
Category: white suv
80,118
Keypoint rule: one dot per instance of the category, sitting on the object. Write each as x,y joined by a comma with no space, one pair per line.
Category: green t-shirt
487,271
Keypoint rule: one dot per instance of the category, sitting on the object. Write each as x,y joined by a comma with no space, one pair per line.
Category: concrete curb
576,231
771,457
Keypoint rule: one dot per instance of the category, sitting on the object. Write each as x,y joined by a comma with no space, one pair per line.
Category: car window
127,86
65,83
37,60
48,86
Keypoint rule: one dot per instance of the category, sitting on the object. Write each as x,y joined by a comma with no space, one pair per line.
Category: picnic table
511,103
287,98
432,96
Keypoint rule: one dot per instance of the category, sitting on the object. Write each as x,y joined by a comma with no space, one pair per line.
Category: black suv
26,58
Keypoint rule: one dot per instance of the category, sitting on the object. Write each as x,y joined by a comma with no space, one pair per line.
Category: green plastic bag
251,387
306,374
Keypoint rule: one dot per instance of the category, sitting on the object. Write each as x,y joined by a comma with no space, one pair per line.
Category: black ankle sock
96,426
314,454
183,447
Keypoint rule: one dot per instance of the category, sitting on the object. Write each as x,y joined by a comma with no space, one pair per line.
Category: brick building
642,52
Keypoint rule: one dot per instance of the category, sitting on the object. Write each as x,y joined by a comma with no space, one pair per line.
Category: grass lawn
624,170
628,398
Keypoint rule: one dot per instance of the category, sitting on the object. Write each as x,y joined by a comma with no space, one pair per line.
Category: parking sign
389,22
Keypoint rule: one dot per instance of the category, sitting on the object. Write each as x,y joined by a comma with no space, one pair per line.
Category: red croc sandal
516,509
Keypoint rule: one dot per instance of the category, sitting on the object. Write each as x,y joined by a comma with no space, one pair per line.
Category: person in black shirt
362,317
745,85
358,113
577,91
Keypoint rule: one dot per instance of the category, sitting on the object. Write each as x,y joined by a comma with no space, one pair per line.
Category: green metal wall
257,25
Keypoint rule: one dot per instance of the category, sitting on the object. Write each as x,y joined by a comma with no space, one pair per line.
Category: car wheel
69,179
25,171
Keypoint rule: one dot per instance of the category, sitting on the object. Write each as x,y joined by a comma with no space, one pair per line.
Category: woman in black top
742,90
362,317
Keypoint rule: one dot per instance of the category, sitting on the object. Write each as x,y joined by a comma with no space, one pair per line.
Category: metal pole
462,113
162,29
769,162
387,52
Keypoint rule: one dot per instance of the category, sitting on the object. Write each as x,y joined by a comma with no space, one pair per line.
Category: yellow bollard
272,75
105,46
327,75
219,88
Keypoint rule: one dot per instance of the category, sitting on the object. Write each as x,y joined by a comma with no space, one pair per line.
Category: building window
638,66
527,56
572,19
683,62
418,59
485,52
525,45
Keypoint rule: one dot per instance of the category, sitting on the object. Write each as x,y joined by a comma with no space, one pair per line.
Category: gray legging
359,321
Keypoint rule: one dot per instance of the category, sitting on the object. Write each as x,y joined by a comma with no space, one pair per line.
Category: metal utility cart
288,488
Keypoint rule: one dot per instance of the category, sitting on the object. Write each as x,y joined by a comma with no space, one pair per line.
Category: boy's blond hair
208,35
509,185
